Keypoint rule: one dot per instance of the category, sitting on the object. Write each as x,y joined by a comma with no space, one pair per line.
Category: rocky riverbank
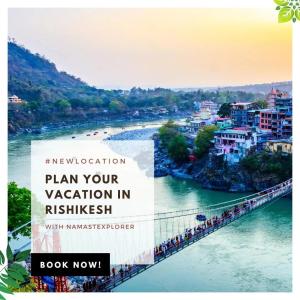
210,172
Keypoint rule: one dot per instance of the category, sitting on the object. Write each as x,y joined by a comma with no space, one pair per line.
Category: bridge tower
60,282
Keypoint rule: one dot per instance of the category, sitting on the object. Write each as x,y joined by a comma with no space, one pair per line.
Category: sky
172,47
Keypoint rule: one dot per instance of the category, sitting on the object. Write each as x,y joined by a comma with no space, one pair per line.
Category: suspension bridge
176,230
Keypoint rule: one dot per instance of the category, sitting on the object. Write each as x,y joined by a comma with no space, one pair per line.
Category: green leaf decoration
285,14
15,275
9,253
1,297
4,289
3,276
281,2
11,282
2,258
297,13
19,269
21,256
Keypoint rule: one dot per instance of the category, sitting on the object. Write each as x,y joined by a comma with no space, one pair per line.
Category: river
252,254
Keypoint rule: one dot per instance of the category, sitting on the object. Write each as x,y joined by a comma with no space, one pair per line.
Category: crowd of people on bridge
178,241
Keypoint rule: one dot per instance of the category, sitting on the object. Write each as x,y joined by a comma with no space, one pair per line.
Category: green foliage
117,106
19,208
288,10
297,13
12,274
177,148
63,105
224,110
281,2
174,141
167,132
269,164
261,104
203,139
285,14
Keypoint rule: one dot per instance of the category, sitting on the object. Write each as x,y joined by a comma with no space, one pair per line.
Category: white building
15,99
234,144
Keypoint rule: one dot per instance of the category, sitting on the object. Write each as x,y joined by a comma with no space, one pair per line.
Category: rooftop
234,131
288,141
241,103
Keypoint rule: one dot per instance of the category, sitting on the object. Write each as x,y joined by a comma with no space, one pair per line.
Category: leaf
297,13
285,14
15,275
4,289
281,2
19,269
21,256
11,282
2,258
9,253
3,276
1,297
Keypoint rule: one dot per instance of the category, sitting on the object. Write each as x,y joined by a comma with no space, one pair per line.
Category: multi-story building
279,123
253,117
223,123
284,104
239,113
275,94
234,144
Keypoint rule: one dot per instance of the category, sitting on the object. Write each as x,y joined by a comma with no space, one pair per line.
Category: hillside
53,97
34,78
262,88
259,88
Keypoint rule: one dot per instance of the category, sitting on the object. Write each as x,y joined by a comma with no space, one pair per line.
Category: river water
251,254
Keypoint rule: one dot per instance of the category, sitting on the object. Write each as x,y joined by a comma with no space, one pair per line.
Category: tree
203,139
19,208
224,110
63,105
117,106
261,104
167,132
178,149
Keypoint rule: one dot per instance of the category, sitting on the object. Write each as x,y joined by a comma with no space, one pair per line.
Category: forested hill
34,78
56,97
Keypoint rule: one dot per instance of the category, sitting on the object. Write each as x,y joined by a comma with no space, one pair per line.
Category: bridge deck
118,279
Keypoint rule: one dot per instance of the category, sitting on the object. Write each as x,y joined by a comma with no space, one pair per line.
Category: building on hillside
253,117
209,105
223,123
284,146
200,119
234,143
239,113
277,122
15,100
284,104
262,137
275,94
196,124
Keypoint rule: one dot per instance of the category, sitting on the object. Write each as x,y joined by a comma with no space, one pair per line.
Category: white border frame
4,4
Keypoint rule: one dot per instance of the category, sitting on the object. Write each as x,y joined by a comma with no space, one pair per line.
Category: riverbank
37,129
210,172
